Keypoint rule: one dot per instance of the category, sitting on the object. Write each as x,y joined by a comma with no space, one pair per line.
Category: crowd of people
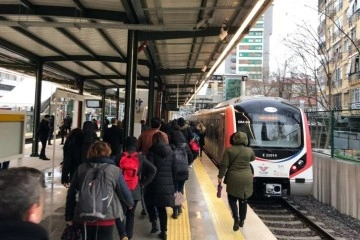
159,161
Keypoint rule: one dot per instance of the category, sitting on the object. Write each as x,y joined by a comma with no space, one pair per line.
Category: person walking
43,134
145,138
71,155
145,174
182,156
114,136
145,142
159,194
235,166
98,157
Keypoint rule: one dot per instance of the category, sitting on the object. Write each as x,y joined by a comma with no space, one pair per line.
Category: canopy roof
87,40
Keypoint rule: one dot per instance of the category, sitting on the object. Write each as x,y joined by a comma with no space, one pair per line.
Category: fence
336,133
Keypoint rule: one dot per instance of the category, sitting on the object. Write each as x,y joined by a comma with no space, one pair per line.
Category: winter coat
146,173
114,136
116,180
43,131
160,192
178,140
235,166
186,131
145,139
89,138
72,157
14,230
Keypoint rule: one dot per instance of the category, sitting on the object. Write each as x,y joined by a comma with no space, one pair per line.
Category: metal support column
80,85
117,116
103,117
37,105
151,95
130,88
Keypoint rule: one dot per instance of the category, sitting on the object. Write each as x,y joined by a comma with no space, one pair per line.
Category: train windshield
270,129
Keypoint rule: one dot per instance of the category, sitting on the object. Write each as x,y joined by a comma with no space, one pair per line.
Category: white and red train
279,135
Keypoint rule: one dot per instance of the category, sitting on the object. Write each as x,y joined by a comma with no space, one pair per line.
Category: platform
204,215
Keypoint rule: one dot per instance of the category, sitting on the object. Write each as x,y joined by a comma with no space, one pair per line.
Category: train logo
263,168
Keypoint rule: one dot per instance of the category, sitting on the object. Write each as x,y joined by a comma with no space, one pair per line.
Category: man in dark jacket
43,133
114,136
19,219
146,173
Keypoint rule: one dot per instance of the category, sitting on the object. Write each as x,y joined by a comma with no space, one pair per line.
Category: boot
163,236
242,211
236,224
154,227
175,213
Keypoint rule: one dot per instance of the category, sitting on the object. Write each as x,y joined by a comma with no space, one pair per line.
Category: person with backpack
159,194
138,172
100,187
182,154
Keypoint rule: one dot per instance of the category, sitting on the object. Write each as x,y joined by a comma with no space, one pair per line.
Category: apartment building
340,40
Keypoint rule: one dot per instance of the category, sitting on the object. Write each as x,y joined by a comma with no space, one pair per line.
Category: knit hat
130,142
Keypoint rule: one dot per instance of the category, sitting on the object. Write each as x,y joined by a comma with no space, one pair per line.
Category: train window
272,130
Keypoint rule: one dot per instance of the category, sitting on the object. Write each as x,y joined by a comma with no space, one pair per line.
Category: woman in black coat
179,145
159,194
72,155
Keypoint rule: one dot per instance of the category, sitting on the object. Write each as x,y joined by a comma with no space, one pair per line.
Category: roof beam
57,11
90,58
166,35
177,71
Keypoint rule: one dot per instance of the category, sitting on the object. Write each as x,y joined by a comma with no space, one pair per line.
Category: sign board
12,134
232,88
60,93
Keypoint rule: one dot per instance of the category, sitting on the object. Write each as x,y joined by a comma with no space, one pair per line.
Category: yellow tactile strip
179,229
220,215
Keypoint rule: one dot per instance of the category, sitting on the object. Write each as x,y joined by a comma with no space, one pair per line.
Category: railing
336,134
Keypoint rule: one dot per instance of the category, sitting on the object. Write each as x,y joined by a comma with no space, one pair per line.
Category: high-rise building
251,56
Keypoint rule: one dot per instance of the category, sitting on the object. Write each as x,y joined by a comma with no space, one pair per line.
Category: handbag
179,199
71,232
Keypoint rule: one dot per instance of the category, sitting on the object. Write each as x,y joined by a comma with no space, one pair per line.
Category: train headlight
297,166
301,163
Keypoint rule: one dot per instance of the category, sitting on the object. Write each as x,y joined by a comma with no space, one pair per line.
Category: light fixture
203,69
142,46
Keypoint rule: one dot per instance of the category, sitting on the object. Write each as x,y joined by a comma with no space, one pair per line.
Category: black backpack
95,195
181,159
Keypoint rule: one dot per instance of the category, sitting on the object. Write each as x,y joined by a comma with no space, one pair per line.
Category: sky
286,15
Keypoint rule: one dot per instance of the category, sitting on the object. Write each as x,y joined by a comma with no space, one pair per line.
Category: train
278,132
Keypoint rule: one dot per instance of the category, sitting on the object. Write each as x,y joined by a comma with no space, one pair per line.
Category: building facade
251,56
340,38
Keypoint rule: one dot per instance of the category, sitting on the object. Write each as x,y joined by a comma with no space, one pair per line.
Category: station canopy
181,41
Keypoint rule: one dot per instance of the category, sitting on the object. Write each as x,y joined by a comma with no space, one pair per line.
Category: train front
279,135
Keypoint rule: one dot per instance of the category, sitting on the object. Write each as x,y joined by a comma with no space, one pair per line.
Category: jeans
127,226
97,232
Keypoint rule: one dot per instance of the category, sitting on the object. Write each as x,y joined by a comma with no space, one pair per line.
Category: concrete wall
337,183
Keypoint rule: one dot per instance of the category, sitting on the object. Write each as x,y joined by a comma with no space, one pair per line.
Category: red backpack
129,165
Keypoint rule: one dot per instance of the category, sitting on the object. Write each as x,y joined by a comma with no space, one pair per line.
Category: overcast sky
286,15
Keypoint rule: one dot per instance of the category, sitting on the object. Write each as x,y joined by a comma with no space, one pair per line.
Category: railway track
286,222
